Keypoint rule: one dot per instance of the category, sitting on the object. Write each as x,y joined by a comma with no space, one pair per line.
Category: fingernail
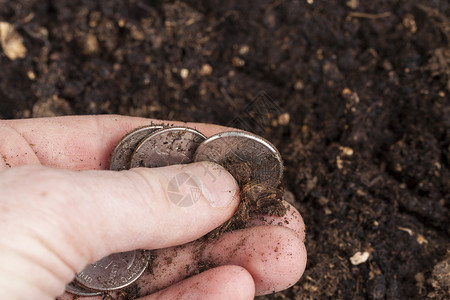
217,184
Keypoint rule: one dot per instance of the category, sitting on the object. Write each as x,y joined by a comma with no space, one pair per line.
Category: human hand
60,210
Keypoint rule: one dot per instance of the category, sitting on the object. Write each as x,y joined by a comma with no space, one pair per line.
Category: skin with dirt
363,87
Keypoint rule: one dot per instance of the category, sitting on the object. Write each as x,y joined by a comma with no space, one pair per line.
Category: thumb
84,216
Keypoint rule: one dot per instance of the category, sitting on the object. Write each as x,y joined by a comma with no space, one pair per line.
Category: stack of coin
111,273
157,146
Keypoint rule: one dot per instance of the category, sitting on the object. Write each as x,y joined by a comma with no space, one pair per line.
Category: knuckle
150,188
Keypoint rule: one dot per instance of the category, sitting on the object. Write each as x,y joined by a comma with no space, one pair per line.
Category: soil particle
256,198
130,292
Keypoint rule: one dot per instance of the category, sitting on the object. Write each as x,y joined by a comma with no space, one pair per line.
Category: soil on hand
362,89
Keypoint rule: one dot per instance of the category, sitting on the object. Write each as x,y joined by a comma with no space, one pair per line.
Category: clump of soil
441,278
129,292
256,197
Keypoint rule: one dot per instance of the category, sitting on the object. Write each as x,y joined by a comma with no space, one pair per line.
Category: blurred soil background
361,87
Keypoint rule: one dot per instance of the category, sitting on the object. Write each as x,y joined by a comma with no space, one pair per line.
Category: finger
266,248
225,282
170,266
274,256
292,220
81,217
75,142
14,149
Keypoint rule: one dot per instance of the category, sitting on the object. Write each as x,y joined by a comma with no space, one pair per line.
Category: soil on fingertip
130,292
256,197
358,105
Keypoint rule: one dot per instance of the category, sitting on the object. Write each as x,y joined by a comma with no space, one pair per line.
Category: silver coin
121,155
114,272
168,146
238,147
76,289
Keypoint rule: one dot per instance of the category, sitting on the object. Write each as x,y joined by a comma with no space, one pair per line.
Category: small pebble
206,70
347,151
299,85
359,258
184,73
237,62
353,4
284,119
31,75
244,50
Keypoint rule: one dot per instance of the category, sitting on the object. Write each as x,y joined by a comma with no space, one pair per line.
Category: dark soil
361,91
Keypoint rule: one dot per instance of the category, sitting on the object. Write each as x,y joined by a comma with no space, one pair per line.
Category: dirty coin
233,149
168,146
121,155
114,272
78,290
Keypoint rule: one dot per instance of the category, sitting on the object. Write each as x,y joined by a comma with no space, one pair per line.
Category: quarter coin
235,149
114,272
168,146
121,155
76,289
